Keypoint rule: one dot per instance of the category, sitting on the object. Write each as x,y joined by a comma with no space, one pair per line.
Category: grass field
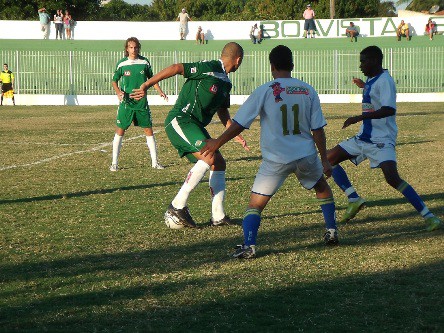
86,250
217,45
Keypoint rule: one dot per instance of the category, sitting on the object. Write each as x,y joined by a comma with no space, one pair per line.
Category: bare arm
225,119
160,91
162,75
383,112
321,145
119,92
212,145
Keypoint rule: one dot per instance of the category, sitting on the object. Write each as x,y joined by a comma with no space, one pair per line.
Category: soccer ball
172,221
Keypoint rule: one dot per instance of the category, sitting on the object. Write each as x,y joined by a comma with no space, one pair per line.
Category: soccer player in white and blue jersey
292,127
376,139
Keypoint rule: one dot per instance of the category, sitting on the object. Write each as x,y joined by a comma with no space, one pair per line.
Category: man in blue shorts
376,138
292,127
205,93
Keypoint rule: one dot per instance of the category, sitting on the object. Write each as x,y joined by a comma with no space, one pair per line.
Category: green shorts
126,116
186,136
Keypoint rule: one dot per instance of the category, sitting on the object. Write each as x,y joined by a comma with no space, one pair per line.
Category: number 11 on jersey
295,109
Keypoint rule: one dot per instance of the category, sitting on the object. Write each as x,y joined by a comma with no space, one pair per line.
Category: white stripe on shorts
178,130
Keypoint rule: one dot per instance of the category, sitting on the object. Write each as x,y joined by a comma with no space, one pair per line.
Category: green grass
216,45
86,250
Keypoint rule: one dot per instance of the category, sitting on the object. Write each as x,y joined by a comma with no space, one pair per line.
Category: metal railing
328,71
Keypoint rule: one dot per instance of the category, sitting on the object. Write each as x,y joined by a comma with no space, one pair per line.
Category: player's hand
327,168
140,93
120,96
351,121
210,147
358,82
164,96
240,139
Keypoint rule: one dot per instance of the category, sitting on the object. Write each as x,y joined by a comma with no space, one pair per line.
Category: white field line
53,158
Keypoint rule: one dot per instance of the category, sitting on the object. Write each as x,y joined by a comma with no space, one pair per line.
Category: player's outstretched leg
390,170
355,202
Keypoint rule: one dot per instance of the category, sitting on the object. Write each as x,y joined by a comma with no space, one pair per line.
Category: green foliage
424,5
202,10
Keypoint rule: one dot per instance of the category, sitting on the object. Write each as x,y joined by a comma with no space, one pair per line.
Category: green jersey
206,90
132,73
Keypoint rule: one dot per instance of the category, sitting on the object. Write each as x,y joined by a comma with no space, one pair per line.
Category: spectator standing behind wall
309,24
58,23
430,29
183,19
67,22
255,34
44,22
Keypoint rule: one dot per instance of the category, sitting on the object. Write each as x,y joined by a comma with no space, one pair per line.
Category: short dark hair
131,39
373,52
282,58
5,65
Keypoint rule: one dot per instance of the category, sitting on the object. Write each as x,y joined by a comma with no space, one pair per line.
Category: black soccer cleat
245,252
224,221
183,215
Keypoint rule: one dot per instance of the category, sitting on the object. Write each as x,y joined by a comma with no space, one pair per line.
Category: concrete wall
157,100
222,30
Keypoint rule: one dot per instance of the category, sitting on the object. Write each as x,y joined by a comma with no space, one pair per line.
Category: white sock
217,188
195,175
117,144
151,143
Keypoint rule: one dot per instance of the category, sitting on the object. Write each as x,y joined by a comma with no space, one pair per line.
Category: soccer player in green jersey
205,93
131,72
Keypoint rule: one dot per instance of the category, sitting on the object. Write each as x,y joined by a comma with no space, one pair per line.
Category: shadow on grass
99,191
408,300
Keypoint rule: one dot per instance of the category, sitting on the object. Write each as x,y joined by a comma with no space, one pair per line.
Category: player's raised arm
162,75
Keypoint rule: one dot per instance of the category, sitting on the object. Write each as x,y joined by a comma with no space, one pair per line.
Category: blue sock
329,212
341,179
250,224
414,199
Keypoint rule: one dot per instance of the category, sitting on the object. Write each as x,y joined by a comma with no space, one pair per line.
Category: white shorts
271,175
376,153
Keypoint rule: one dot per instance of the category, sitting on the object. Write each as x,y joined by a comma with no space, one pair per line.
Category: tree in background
421,5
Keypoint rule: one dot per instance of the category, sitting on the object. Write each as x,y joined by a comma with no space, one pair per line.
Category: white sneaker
113,167
158,166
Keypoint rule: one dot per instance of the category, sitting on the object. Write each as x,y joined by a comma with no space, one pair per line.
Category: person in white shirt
255,34
376,139
292,135
183,19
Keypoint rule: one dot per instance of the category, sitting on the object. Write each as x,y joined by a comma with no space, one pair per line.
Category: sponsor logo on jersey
296,91
213,89
185,108
127,73
198,143
368,107
193,70
277,89
142,72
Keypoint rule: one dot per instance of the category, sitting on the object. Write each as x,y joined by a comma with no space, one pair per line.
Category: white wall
222,30
157,100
